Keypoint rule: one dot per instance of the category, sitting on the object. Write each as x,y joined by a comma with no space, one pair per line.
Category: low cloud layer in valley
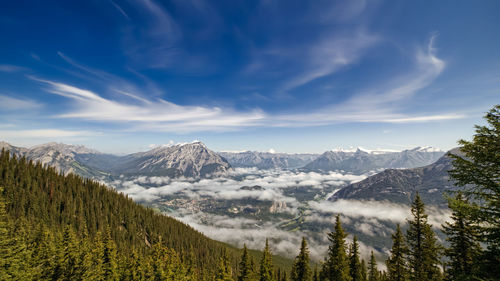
250,205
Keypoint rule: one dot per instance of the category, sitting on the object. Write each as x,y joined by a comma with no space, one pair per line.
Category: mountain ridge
401,185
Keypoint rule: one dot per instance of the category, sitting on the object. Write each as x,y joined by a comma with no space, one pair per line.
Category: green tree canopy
423,250
336,265
397,267
478,171
301,271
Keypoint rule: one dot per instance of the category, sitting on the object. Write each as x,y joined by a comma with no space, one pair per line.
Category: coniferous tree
71,264
477,171
336,265
246,270
464,250
266,265
315,274
364,273
93,260
354,262
397,267
224,272
373,274
301,271
109,258
423,250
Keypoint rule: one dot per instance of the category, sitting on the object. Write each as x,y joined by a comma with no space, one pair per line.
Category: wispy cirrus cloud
329,56
384,105
9,68
8,103
44,134
157,114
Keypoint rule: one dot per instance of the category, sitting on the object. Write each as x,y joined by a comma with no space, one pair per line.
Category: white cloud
367,209
330,55
379,210
160,114
11,68
271,185
10,103
44,133
383,104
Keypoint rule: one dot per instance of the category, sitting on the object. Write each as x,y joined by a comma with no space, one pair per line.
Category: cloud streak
158,114
330,56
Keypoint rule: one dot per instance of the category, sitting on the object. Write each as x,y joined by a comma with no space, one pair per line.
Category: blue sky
293,76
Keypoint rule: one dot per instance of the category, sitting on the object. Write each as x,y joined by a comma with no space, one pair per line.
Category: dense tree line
55,227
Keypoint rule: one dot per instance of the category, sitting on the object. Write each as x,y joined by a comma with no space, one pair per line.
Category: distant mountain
188,160
361,161
267,160
18,151
62,157
401,185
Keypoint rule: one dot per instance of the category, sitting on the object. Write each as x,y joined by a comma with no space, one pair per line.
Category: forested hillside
50,217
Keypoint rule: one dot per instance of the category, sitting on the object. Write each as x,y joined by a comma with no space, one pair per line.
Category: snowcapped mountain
187,159
361,160
267,160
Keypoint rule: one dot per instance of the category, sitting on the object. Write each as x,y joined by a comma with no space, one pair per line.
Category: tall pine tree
397,267
354,262
464,251
224,272
266,264
301,271
336,265
478,170
246,271
373,274
423,250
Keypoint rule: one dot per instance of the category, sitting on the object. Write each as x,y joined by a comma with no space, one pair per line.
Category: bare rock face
188,160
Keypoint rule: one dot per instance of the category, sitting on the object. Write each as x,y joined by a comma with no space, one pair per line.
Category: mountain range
401,185
361,161
187,159
268,160
195,160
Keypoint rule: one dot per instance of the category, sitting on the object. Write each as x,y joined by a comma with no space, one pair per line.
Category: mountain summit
186,159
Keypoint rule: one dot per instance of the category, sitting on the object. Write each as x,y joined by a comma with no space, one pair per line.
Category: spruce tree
71,264
266,265
364,273
336,265
477,171
373,274
110,260
246,270
397,267
301,270
423,250
224,272
354,262
464,251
